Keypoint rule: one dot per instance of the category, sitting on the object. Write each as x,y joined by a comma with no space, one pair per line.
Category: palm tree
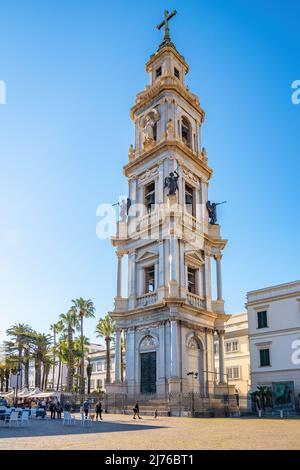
89,370
78,357
56,328
21,336
70,323
84,309
11,366
41,352
2,376
61,351
105,329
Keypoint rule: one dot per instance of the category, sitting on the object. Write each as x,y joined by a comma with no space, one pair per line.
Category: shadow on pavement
49,427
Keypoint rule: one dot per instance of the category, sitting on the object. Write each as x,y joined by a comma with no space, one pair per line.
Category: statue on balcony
212,211
171,182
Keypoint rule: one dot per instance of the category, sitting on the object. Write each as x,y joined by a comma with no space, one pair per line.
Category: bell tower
167,237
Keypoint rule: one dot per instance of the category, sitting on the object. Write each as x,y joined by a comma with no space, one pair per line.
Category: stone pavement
117,432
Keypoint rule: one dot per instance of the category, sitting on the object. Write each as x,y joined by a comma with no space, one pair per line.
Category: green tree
21,338
70,324
105,329
84,309
41,354
78,357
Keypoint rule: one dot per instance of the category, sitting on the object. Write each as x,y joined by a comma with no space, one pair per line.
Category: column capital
120,253
218,256
207,250
221,332
132,252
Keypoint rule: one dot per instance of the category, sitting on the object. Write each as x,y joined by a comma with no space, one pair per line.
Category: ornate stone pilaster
118,356
207,278
174,365
132,278
119,275
221,356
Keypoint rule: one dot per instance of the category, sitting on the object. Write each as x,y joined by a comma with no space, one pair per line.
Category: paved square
118,432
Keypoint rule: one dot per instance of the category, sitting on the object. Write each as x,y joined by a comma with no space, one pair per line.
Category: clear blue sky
72,70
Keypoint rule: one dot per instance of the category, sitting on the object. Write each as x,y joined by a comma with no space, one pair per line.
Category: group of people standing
55,409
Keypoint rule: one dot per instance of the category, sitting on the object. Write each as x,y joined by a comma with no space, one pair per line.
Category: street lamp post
194,375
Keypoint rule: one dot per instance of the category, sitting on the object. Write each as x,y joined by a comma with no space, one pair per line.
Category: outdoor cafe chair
25,418
33,413
68,419
85,420
14,418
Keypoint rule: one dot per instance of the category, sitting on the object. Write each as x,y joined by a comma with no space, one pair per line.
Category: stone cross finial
165,23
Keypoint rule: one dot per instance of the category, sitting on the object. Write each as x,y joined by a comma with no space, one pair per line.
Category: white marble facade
168,315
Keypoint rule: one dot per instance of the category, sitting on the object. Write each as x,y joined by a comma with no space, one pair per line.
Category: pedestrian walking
155,414
99,410
136,411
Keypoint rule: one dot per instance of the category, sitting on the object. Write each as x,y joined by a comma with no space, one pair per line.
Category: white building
274,336
237,353
169,241
98,362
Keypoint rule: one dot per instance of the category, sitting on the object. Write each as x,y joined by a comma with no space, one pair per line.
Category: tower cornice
161,52
169,145
166,82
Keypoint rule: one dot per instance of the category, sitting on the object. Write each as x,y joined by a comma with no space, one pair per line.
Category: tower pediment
194,259
147,256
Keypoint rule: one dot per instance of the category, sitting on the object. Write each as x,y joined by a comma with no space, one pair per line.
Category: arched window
186,131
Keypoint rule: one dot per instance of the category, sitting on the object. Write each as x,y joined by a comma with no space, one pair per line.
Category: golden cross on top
165,23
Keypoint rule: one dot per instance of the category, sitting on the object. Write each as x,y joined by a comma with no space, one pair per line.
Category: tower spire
165,23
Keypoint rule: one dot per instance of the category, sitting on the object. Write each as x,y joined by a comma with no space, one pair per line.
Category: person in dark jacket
99,410
52,408
59,410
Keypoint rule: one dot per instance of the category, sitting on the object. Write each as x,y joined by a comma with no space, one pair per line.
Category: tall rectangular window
192,280
150,196
262,320
176,72
158,72
189,199
149,279
264,355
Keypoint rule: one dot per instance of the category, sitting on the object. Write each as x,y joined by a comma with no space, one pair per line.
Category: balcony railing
195,300
147,299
